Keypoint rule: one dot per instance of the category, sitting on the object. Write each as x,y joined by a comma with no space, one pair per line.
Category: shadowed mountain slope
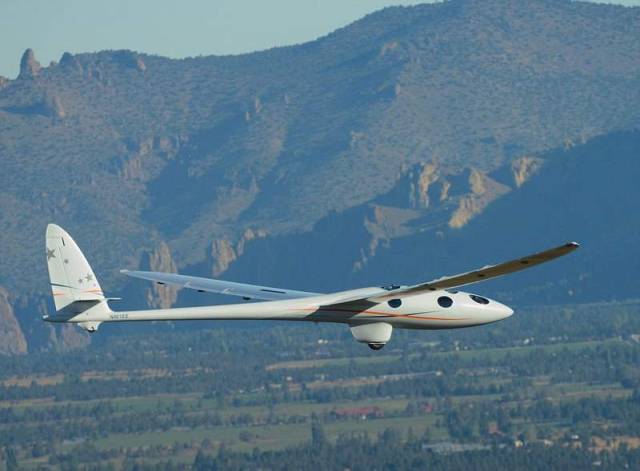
576,194
408,121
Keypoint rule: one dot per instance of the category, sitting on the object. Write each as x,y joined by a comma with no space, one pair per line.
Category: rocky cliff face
381,243
29,66
161,296
224,253
12,339
524,168
484,191
410,123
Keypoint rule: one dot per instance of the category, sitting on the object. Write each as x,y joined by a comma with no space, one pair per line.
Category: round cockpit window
479,299
394,303
445,301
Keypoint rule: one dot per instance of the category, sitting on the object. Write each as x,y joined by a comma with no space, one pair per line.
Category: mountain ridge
428,114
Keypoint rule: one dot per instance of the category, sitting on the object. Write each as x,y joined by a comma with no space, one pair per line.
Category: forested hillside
415,142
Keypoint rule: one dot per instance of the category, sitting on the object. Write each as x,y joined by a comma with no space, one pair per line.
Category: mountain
414,141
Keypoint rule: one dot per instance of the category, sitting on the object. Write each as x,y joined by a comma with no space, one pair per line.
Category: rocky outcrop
140,65
69,337
161,296
388,47
224,253
70,61
45,336
384,223
42,102
53,106
130,59
524,168
12,341
419,190
29,66
484,190
147,156
437,198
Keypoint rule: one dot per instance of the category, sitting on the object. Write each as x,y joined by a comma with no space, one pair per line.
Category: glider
371,313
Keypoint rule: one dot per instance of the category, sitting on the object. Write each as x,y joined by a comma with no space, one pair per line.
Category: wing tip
573,245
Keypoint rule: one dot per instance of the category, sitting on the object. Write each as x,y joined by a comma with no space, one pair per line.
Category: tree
318,437
11,462
201,461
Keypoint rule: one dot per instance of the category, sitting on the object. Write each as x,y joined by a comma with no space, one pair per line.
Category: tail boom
101,312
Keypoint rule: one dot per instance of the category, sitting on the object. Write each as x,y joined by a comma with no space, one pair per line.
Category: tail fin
71,276
74,286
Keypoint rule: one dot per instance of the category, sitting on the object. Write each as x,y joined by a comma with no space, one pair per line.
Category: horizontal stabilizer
242,290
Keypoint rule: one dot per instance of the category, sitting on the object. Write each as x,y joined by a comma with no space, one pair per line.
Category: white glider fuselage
420,311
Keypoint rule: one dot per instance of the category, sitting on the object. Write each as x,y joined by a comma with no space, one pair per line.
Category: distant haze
173,29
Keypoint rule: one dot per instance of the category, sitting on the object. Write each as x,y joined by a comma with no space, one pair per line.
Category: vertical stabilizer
71,276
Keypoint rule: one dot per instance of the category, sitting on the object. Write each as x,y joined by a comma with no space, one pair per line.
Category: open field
167,400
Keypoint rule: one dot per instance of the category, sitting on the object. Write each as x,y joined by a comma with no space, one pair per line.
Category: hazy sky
170,27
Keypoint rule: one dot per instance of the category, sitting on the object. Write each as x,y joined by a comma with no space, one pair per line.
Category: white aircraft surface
371,313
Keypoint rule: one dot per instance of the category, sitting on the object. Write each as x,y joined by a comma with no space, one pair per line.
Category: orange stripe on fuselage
387,314
85,291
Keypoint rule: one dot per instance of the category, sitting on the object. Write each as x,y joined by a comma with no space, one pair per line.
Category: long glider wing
243,290
486,273
248,291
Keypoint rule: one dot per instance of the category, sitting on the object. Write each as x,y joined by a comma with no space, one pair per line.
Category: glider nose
504,311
